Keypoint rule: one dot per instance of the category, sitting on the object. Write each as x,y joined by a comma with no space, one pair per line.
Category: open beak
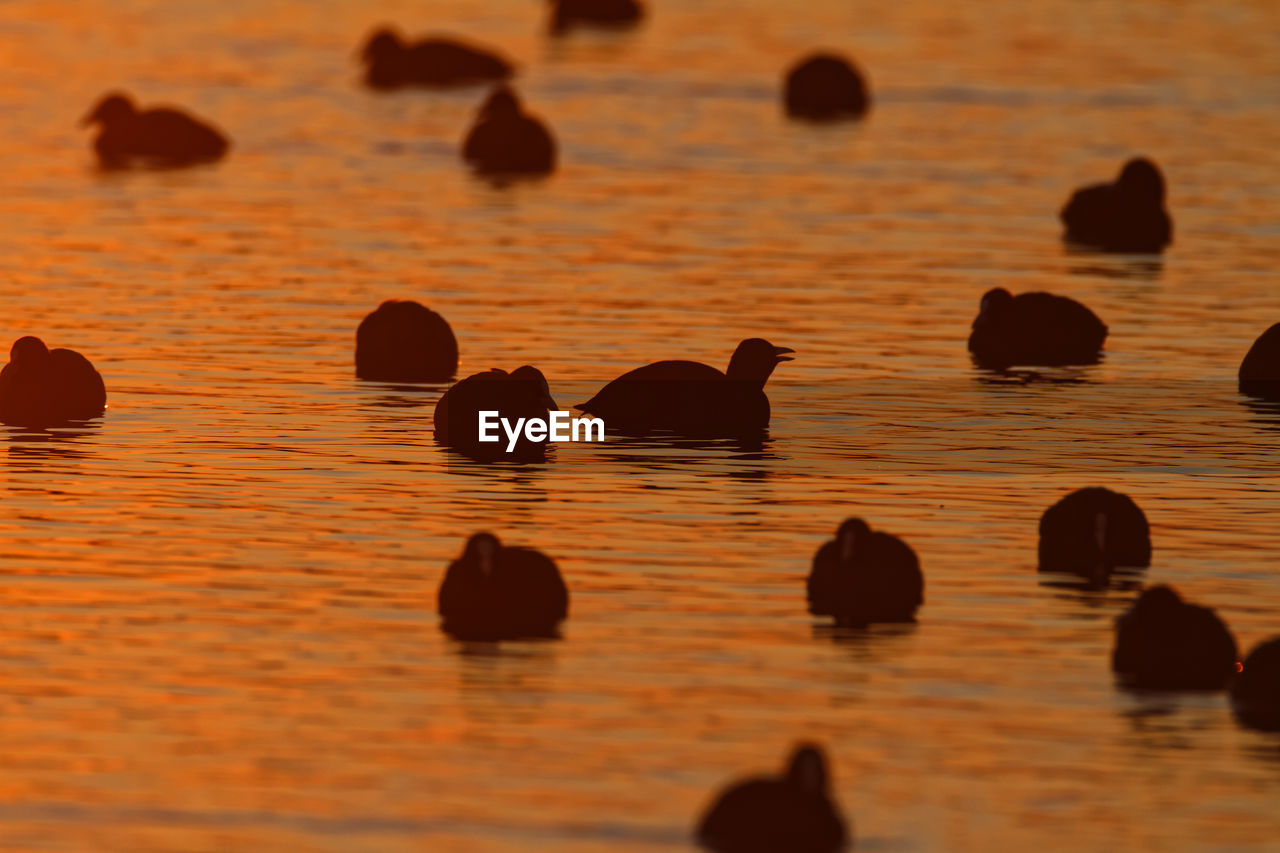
778,354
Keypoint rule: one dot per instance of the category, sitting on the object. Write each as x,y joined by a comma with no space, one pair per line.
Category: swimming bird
1255,692
505,140
864,576
1164,643
1034,329
404,341
500,592
566,14
521,394
40,387
1260,371
1092,531
693,399
1127,215
160,136
392,62
825,86
791,813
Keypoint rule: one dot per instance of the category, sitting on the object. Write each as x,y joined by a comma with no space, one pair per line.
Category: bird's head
113,108
755,359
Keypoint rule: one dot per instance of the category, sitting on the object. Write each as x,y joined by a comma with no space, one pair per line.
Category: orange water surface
217,612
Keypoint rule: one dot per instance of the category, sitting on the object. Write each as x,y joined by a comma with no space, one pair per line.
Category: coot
567,14
499,592
404,341
1255,692
1034,329
1092,531
864,576
1260,371
824,87
392,62
1164,643
690,398
160,136
791,813
1127,215
521,394
40,387
505,140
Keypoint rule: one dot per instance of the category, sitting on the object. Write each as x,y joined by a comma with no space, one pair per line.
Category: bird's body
391,62
1093,531
864,576
521,394
1255,692
825,87
613,14
1041,329
1260,371
1126,215
690,398
791,813
159,137
498,592
404,341
40,387
505,140
1164,643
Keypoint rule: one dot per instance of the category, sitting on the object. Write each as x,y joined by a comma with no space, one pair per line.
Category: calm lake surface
217,624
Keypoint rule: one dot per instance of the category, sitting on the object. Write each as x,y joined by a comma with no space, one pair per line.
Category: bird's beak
88,119
778,354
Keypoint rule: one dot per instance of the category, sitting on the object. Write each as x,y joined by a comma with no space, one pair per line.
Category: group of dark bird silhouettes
496,592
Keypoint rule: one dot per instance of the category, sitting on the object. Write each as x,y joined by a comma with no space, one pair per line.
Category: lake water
218,627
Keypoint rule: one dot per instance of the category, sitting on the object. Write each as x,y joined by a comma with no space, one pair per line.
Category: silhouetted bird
404,341
40,387
1260,370
160,136
505,140
791,813
1165,643
521,394
1092,531
825,86
497,592
864,576
1034,329
392,62
566,14
1127,215
1255,692
691,398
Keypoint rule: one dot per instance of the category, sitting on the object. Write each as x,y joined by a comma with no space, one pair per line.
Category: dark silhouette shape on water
505,140
1092,532
611,14
392,62
160,137
1127,215
1164,643
690,398
864,576
791,813
1260,371
40,387
1034,329
825,87
1255,692
521,394
499,592
404,341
